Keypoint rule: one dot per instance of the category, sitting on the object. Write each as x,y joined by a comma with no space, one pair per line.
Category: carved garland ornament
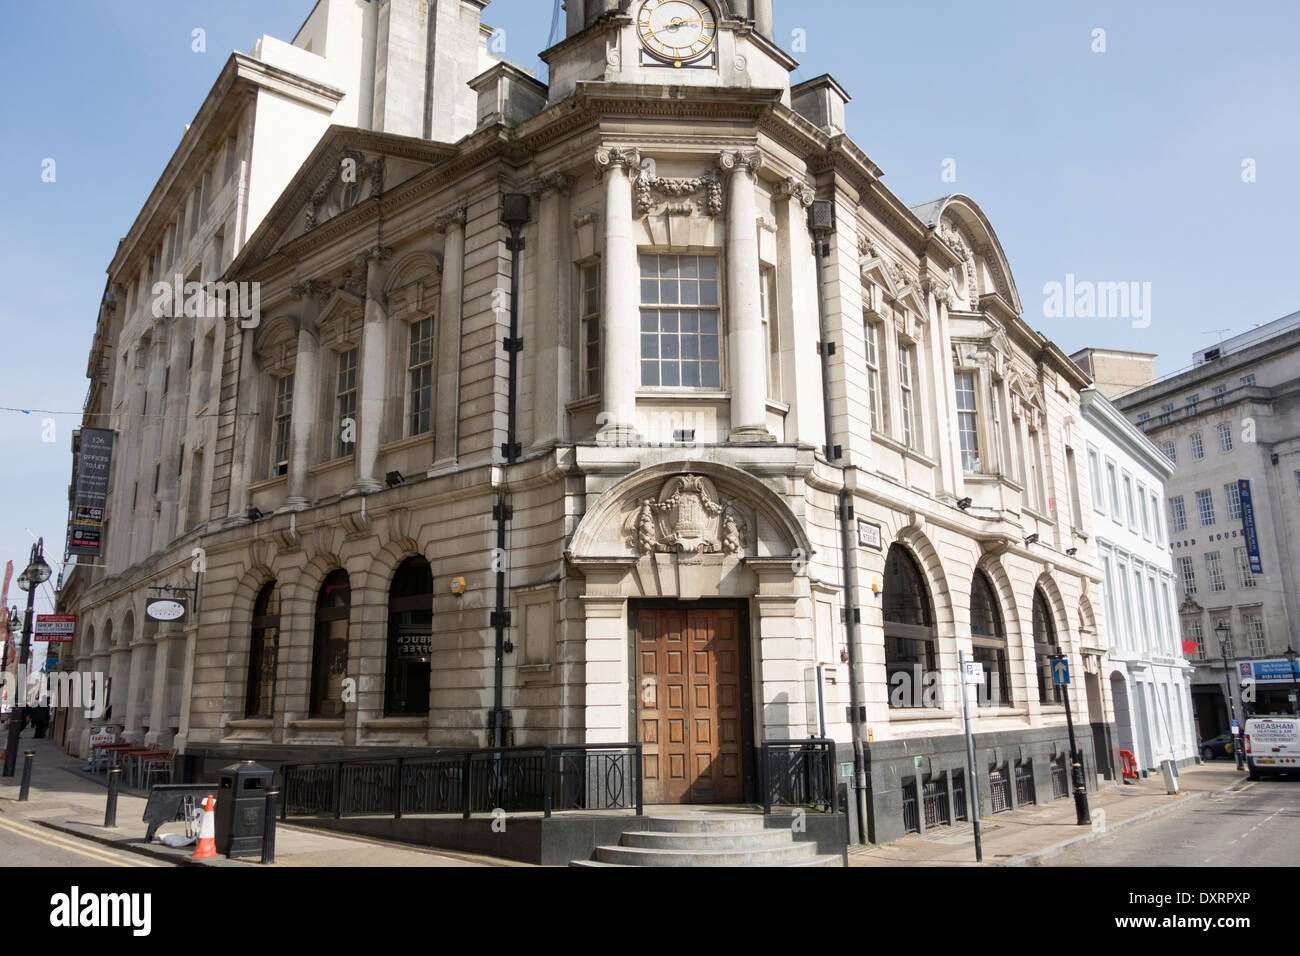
688,518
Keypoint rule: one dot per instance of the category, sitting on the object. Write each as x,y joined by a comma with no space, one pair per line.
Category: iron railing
1060,779
999,792
935,798
513,779
798,773
959,793
911,813
1025,783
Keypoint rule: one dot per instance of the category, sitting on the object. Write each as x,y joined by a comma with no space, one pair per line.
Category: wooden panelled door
689,704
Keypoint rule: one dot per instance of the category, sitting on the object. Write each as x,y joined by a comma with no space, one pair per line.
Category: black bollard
26,785
110,811
268,833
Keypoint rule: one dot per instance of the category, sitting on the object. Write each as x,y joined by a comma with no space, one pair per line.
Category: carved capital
318,289
610,157
449,220
561,183
376,252
740,160
796,189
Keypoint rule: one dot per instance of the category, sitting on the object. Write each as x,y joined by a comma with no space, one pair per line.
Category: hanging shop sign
94,458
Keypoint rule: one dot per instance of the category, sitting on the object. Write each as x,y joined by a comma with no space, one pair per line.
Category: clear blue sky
1117,166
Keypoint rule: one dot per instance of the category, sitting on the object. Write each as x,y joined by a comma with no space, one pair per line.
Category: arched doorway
1045,646
1123,712
330,651
989,643
410,638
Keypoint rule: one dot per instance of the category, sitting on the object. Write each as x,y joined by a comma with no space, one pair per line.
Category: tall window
329,663
419,369
345,404
1177,514
680,325
1098,492
1225,437
1128,500
590,331
1171,451
1166,411
1198,447
410,638
1232,495
1214,567
874,401
260,698
1219,392
989,642
1194,632
1191,403
1155,519
1205,505
1248,380
1112,482
767,312
1244,578
1254,625
1142,510
1044,647
1188,570
906,361
280,425
909,634
967,422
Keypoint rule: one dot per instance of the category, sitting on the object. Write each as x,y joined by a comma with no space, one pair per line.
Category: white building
1148,675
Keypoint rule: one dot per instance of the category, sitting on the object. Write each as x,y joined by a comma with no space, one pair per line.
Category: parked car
1220,746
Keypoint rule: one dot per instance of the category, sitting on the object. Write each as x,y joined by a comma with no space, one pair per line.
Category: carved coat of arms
688,518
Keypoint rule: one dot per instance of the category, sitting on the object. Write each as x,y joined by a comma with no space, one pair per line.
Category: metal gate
936,801
999,791
1025,783
911,816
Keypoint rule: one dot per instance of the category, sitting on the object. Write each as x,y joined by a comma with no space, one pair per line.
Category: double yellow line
59,842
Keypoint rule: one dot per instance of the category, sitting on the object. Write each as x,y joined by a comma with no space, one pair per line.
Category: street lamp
1224,634
36,574
1291,656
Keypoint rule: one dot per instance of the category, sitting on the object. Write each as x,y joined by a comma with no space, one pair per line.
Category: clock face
678,31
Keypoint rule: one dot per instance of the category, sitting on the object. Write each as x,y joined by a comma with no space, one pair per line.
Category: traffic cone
207,848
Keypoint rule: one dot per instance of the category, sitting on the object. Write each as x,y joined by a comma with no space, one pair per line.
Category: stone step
707,842
707,823
815,861
645,856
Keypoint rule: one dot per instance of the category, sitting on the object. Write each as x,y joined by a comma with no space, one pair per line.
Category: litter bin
241,808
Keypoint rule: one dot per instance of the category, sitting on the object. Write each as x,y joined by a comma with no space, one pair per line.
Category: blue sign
1060,672
1248,527
1278,669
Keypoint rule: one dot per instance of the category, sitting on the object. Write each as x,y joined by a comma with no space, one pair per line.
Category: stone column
796,289
620,292
153,534
158,702
243,462
548,355
446,423
374,364
302,424
746,350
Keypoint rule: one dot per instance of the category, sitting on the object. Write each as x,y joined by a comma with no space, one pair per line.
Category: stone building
1233,416
1149,677
640,411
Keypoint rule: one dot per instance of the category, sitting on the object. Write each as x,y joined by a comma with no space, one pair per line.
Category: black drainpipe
821,220
514,214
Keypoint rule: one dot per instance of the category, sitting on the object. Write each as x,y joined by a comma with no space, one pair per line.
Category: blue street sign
1060,671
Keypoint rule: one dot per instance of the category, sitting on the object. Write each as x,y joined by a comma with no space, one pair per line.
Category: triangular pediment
336,186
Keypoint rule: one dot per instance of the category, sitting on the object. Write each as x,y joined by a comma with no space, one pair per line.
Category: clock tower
722,43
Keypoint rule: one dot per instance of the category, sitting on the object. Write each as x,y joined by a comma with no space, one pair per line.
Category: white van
1272,745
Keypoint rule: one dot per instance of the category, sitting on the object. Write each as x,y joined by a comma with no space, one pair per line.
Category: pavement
1039,832
65,801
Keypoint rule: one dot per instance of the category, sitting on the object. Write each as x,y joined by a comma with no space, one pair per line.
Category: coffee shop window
410,638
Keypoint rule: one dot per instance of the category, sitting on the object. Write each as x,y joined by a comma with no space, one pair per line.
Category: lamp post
1291,656
37,573
1224,634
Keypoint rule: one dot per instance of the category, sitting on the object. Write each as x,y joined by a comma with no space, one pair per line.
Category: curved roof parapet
972,219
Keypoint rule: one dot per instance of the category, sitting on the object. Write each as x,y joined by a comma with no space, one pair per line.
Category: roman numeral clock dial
678,33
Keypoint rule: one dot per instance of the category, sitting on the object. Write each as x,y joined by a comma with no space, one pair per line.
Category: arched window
262,652
989,642
1044,649
329,663
410,638
909,634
